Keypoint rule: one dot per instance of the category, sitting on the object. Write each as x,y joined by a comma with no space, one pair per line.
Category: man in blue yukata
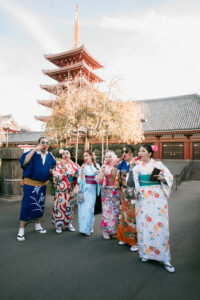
37,166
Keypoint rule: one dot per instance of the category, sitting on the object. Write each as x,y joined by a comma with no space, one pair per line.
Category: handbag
80,198
130,194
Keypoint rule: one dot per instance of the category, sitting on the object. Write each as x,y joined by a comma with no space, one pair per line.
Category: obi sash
70,179
144,181
109,181
90,179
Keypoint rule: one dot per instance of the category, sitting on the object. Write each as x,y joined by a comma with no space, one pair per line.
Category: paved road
72,266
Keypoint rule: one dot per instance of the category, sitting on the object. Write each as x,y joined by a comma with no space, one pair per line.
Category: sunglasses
43,143
125,151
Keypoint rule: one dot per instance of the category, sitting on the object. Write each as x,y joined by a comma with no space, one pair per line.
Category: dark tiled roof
172,114
25,137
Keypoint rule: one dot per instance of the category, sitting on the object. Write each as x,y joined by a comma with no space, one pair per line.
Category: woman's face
108,158
145,155
66,155
127,155
87,157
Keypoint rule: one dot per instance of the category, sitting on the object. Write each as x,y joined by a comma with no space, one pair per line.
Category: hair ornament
61,151
154,148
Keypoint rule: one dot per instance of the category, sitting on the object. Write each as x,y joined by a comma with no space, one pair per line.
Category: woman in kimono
110,197
65,180
126,230
152,208
89,188
37,166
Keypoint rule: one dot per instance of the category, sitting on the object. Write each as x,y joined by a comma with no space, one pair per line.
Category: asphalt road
73,266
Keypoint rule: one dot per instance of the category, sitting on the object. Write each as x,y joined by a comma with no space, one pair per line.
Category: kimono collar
39,152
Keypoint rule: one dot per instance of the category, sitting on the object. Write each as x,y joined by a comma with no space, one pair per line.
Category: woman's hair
130,148
112,153
92,155
148,148
61,151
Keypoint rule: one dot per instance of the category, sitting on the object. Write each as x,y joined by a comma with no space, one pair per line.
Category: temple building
75,66
173,124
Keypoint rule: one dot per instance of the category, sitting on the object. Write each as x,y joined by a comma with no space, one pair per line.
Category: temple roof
176,113
57,59
63,72
46,103
8,123
58,88
42,118
25,137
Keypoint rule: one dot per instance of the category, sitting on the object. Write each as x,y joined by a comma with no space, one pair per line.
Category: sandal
169,267
106,236
20,238
41,230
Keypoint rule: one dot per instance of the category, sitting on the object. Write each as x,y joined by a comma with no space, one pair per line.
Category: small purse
80,198
129,194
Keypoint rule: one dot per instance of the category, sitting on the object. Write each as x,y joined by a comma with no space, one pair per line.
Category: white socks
21,231
38,226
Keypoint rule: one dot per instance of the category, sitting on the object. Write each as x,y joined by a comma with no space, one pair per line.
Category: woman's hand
103,168
161,178
82,171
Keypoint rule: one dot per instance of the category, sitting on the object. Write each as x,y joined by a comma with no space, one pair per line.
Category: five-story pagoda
75,66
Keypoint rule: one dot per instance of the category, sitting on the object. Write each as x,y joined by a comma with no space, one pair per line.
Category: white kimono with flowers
152,213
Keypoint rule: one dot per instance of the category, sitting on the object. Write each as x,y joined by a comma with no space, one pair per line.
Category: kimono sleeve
80,181
168,178
27,169
136,177
57,173
53,160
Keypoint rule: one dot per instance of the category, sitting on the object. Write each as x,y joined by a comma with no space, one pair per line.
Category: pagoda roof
56,58
46,103
74,67
58,88
42,118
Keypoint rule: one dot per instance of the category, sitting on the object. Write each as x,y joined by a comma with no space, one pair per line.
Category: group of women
134,207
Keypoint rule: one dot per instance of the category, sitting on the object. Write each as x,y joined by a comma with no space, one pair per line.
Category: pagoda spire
76,29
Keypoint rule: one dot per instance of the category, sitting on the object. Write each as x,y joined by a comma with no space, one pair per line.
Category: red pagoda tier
71,72
75,55
75,67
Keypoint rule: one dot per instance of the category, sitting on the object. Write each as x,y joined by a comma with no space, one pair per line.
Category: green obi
144,181
70,179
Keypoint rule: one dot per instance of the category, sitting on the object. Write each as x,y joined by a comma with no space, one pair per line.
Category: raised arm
30,154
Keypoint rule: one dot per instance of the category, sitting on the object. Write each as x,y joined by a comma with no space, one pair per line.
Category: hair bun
154,148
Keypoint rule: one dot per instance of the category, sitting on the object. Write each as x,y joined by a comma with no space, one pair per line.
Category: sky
151,47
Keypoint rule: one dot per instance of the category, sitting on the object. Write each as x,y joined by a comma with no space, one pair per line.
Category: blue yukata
34,196
90,189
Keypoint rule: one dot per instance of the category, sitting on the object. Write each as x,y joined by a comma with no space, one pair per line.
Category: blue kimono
34,196
90,189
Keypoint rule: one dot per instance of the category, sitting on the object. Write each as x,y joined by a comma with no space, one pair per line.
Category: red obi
109,180
90,179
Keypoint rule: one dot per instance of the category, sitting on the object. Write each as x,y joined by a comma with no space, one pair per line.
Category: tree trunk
86,144
107,142
76,146
102,150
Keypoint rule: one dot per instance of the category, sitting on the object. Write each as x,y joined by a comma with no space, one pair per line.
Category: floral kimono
65,181
110,204
126,230
152,211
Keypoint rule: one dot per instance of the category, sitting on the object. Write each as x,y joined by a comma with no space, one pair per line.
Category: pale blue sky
151,46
